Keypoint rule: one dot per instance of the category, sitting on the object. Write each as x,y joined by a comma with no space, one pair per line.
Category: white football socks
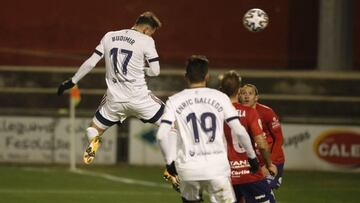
91,132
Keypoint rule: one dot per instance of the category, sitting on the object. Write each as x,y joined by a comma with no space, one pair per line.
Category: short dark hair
196,68
230,83
148,18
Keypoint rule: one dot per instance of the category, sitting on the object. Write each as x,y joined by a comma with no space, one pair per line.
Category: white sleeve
154,69
86,67
91,62
167,143
100,49
152,58
229,109
243,136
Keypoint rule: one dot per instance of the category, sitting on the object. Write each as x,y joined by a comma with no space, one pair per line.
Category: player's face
248,96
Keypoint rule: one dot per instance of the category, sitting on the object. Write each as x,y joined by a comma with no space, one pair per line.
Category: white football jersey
199,115
125,53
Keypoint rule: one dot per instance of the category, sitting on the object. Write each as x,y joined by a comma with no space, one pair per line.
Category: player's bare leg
93,134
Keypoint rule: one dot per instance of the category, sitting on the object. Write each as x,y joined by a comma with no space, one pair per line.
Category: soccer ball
255,20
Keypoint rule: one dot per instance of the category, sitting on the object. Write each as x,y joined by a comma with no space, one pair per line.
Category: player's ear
239,91
207,77
186,78
148,30
144,31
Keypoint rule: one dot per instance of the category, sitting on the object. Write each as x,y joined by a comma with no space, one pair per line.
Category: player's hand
254,165
171,168
174,180
67,84
271,170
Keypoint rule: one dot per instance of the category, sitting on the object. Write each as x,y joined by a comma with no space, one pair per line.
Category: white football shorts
220,189
147,108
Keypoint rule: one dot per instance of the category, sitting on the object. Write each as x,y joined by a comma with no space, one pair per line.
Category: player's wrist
71,82
171,168
254,164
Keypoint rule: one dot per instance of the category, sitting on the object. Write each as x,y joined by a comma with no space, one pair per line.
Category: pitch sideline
107,177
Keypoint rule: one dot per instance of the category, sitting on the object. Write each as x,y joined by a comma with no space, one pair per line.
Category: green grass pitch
134,184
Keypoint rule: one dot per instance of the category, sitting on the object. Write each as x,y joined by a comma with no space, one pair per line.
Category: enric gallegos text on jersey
200,114
199,100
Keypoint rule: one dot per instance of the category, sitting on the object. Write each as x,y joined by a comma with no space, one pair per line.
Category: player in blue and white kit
125,52
199,114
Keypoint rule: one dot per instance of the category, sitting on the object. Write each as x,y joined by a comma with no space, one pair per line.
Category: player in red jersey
270,122
251,187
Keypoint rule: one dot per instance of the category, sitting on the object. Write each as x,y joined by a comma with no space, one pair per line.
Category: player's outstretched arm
164,142
167,147
263,148
85,68
277,136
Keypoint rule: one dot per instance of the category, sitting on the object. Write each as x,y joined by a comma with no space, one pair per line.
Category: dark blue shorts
254,192
275,182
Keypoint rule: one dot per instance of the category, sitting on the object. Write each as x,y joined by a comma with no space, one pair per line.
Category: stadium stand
300,97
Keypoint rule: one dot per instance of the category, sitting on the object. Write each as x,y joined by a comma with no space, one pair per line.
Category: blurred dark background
64,33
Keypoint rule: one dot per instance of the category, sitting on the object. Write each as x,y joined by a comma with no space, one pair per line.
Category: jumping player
125,52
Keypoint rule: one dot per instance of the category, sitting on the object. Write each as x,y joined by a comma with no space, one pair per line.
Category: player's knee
91,132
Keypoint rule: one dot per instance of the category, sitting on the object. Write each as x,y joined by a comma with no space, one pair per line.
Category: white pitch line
35,169
107,177
61,191
120,179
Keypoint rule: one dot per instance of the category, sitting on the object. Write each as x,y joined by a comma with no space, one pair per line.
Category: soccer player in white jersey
125,52
199,114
